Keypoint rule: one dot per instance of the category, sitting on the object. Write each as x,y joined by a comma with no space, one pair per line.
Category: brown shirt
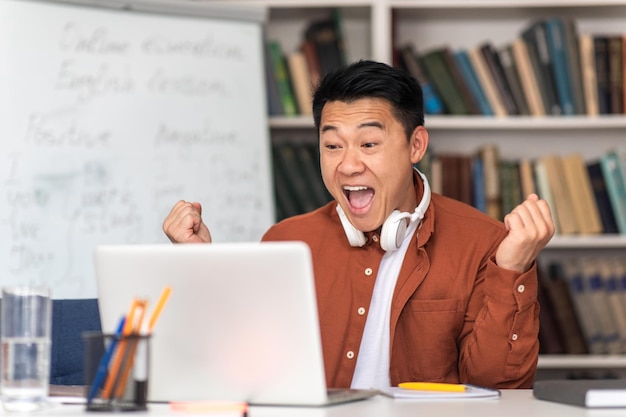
455,315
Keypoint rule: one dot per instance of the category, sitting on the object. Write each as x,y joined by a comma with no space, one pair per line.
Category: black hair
370,79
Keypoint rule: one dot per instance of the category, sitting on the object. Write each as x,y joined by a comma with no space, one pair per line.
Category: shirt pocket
434,327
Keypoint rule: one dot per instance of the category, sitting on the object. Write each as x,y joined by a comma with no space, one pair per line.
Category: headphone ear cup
355,236
393,231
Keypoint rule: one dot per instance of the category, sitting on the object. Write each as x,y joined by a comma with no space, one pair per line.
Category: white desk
513,403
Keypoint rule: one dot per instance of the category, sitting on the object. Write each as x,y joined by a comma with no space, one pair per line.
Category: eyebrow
379,125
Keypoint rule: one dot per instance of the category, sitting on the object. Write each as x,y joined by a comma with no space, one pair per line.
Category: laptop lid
240,324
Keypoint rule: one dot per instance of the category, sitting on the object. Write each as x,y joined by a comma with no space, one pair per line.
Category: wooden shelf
604,122
476,4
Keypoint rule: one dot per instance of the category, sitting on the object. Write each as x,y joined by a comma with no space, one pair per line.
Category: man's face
367,161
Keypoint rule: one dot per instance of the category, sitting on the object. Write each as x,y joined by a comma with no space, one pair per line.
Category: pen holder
116,371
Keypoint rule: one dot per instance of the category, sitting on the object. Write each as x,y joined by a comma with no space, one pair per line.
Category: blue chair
70,318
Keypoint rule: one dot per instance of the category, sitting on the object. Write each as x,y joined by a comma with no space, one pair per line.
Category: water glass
25,335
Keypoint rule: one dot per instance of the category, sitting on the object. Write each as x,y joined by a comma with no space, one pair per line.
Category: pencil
165,294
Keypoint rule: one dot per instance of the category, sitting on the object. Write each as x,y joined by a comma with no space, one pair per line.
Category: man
410,287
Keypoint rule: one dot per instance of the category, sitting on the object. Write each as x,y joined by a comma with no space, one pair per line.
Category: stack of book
550,69
293,75
583,306
586,197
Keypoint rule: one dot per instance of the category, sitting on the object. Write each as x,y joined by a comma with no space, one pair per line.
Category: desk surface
513,403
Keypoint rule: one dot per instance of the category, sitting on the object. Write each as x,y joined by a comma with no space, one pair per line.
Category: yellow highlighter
432,386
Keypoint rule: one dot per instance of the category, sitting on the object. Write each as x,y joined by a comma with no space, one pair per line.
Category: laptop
240,324
589,393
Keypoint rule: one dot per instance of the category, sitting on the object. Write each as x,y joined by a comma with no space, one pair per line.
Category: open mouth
358,197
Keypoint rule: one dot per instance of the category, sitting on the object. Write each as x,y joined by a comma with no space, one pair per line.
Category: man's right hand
184,224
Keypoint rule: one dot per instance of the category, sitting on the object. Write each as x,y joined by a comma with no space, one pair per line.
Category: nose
351,162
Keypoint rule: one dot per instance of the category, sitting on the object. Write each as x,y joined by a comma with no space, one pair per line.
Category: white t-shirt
372,365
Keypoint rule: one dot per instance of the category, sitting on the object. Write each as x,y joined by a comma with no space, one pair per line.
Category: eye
369,145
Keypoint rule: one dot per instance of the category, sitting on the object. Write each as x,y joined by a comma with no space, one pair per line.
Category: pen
432,386
104,363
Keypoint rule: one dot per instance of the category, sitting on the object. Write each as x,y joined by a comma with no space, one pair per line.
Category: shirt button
514,337
520,288
361,311
375,238
350,354
368,271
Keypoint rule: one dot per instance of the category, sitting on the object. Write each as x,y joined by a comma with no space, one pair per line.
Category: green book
283,81
434,63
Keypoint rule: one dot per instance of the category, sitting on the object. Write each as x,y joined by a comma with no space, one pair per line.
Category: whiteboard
108,117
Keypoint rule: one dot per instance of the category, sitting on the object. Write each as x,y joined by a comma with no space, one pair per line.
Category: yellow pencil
432,386
159,306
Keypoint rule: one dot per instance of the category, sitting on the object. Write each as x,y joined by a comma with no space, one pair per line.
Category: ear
419,144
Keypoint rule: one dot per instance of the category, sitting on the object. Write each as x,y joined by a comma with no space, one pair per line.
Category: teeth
356,188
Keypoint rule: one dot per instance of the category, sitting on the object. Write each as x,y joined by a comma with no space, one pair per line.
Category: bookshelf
372,27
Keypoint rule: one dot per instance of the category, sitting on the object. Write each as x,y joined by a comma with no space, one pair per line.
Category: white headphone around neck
394,229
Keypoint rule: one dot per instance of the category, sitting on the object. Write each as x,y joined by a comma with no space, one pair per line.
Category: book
274,103
294,176
491,160
601,196
545,191
583,200
284,196
616,74
608,270
510,186
560,194
536,41
459,81
301,81
494,66
511,74
436,174
478,184
550,337
601,60
468,392
555,36
585,311
283,80
590,393
527,78
616,187
588,74
409,61
310,53
308,159
572,49
437,70
324,35
597,296
527,177
487,83
557,289
471,80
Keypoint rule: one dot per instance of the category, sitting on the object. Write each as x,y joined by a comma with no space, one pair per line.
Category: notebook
240,324
590,393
